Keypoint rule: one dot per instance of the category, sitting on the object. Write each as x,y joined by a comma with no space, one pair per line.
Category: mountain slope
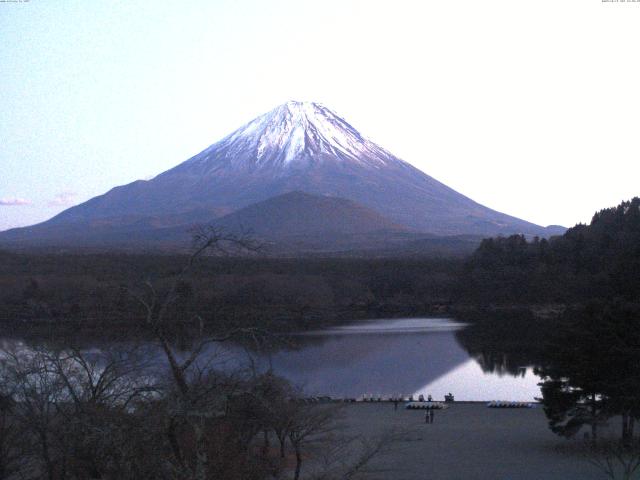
290,224
296,147
302,214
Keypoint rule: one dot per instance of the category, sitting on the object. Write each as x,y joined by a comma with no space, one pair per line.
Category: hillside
297,147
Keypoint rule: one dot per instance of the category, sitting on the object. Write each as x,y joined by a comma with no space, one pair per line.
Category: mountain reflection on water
489,359
400,356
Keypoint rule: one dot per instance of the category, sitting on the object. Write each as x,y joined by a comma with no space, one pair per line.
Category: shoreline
469,441
355,401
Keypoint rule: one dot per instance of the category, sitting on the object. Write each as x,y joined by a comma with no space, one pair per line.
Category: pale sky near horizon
531,108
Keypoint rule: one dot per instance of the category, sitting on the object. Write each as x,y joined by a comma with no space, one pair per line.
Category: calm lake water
391,357
375,358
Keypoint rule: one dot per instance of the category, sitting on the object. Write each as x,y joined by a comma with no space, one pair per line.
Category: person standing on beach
395,403
426,416
431,415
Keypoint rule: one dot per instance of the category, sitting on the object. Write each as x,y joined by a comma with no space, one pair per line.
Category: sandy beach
470,441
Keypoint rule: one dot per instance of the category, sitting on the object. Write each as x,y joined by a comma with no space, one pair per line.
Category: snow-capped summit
294,134
296,147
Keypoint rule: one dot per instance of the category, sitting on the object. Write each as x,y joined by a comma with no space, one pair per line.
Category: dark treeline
599,260
587,352
95,290
591,369
588,360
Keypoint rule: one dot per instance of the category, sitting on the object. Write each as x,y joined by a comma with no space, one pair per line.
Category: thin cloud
14,201
63,199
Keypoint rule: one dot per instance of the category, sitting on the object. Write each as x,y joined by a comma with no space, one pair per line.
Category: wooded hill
97,289
599,260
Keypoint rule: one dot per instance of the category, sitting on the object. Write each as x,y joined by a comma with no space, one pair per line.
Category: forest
90,291
87,291
586,349
561,304
159,407
599,260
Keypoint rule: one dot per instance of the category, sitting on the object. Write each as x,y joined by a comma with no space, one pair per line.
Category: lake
391,357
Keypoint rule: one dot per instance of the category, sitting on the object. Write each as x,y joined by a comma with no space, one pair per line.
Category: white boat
508,404
426,406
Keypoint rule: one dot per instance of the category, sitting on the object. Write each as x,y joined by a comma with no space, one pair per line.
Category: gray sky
531,108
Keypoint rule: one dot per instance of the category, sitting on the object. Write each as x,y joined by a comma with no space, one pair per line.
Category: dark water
392,357
429,356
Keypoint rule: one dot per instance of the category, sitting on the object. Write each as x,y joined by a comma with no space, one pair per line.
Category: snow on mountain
294,133
297,146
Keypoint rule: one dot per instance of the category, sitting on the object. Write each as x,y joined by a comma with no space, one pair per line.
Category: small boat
508,404
425,406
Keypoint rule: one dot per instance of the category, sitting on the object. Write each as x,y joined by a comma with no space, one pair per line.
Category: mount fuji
297,147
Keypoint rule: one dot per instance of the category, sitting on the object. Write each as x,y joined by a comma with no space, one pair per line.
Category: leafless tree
195,402
618,460
37,394
353,457
73,410
72,413
115,376
11,437
309,424
99,390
